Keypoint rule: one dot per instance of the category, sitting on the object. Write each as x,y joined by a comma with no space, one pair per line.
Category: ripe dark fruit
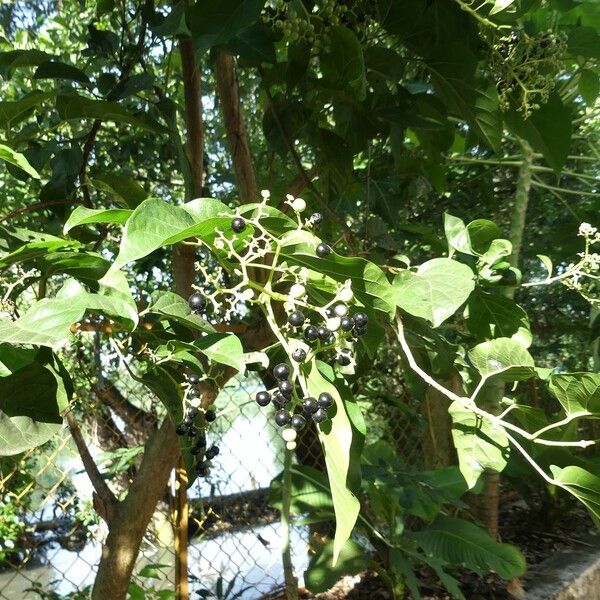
324,333
282,417
194,393
358,331
311,333
212,452
193,378
263,398
323,250
196,450
325,400
316,218
310,405
181,429
192,431
299,355
210,415
192,412
346,324
187,421
361,319
201,470
298,422
344,360
238,225
286,388
296,319
197,302
281,400
320,416
281,371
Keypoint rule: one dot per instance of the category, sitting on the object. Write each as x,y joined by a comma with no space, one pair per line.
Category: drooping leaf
589,86
14,111
577,392
342,443
435,291
584,485
8,155
123,190
172,305
60,70
503,359
460,543
88,216
479,444
15,59
224,348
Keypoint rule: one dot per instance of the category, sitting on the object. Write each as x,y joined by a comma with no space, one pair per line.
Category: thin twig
36,206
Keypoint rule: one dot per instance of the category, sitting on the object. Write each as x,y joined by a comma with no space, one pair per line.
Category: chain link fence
51,537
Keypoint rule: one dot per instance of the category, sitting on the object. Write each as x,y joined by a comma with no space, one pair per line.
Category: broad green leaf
88,216
584,41
321,576
482,232
172,305
13,358
60,70
498,250
343,65
342,443
589,86
72,106
123,190
500,5
584,485
14,59
14,111
435,291
8,155
479,444
35,249
488,117
224,348
577,392
492,316
460,543
88,267
18,434
548,130
457,234
503,359
172,24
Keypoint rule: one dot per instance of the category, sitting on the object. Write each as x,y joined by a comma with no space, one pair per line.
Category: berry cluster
194,426
286,400
526,69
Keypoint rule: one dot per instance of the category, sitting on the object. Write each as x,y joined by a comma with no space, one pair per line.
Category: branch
35,207
104,500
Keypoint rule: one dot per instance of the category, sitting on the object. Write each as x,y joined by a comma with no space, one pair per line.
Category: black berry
197,302
263,398
316,218
282,417
296,319
311,333
324,333
361,319
299,355
210,415
193,393
181,429
201,469
323,250
298,422
187,421
197,449
320,416
358,331
325,400
280,400
238,225
310,405
192,431
346,324
286,388
192,412
212,452
193,378
344,358
281,371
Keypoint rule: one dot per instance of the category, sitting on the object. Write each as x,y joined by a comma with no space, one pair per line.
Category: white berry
291,445
341,310
333,324
297,290
299,205
289,434
346,294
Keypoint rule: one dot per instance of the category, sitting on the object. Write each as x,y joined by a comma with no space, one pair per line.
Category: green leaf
123,190
582,484
13,358
461,543
500,5
503,359
321,576
172,305
88,216
15,158
173,24
584,41
577,392
492,316
342,440
36,249
482,232
18,434
589,86
457,234
479,444
548,130
435,292
343,65
73,106
14,59
59,70
224,348
12,112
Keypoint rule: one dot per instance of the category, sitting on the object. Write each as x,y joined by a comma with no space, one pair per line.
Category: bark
237,137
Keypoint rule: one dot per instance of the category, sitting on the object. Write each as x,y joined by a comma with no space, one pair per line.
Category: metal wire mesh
51,537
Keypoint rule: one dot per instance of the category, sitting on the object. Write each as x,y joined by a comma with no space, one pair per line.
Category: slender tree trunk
490,499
